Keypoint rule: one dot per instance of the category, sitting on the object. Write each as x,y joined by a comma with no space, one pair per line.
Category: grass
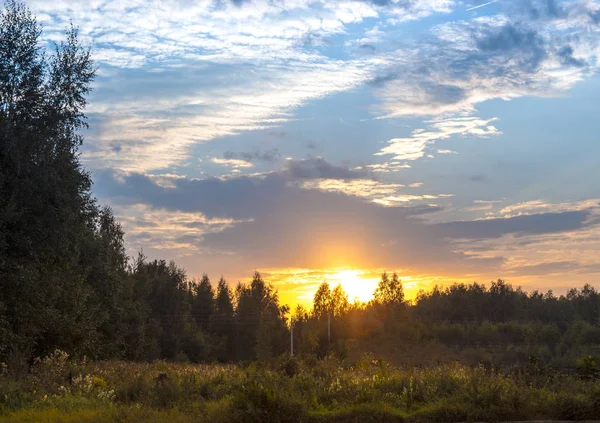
289,390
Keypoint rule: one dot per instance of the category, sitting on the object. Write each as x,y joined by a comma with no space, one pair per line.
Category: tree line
471,323
66,281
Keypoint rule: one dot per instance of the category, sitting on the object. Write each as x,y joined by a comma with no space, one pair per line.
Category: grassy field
289,390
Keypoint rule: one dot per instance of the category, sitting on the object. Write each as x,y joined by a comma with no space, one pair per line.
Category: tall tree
389,291
322,301
203,302
222,324
261,329
47,216
339,301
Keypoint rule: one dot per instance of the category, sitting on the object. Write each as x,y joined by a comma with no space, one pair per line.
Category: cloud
556,267
154,228
320,226
173,76
566,57
540,206
249,219
388,167
558,258
176,75
522,225
501,56
511,37
543,9
414,147
160,133
319,168
270,156
375,191
234,163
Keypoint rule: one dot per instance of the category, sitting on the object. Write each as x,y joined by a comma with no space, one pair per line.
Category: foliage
316,391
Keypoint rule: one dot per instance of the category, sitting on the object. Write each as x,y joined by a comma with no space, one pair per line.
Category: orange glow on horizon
357,287
297,286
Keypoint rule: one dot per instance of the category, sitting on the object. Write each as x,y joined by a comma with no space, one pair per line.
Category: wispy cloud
234,163
247,66
415,146
154,228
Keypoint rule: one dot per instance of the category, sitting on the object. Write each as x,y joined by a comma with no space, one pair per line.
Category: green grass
283,391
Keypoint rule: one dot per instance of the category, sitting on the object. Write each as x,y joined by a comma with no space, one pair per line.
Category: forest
83,325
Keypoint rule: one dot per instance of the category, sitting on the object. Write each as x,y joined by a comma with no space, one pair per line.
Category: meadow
288,389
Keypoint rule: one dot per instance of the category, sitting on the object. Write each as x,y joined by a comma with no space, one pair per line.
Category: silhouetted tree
260,321
222,324
339,303
203,303
48,220
322,301
389,291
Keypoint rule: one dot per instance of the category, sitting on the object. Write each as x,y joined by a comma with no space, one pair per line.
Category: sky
446,140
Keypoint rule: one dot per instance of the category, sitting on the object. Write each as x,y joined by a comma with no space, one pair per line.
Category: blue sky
447,140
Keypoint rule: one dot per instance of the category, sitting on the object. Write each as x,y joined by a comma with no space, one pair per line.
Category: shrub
259,403
368,413
588,368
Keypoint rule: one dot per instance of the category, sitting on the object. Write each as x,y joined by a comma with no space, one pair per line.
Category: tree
222,324
322,301
260,321
339,301
389,291
48,219
203,303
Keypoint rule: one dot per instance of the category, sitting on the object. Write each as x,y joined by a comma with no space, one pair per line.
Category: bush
369,413
259,403
588,368
290,366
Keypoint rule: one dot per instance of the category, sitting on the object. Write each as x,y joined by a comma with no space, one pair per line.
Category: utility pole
292,338
329,327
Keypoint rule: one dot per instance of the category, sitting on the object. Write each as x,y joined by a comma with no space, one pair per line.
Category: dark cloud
311,145
566,57
318,168
520,225
289,226
231,198
270,156
543,9
511,39
512,52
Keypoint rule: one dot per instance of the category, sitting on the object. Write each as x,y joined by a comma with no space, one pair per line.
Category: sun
355,284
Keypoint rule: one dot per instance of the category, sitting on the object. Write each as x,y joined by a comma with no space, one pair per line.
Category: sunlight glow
356,286
297,286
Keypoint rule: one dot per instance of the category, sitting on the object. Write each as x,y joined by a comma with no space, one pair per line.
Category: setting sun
357,287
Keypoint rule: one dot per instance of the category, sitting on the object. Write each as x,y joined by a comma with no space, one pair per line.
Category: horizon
450,141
